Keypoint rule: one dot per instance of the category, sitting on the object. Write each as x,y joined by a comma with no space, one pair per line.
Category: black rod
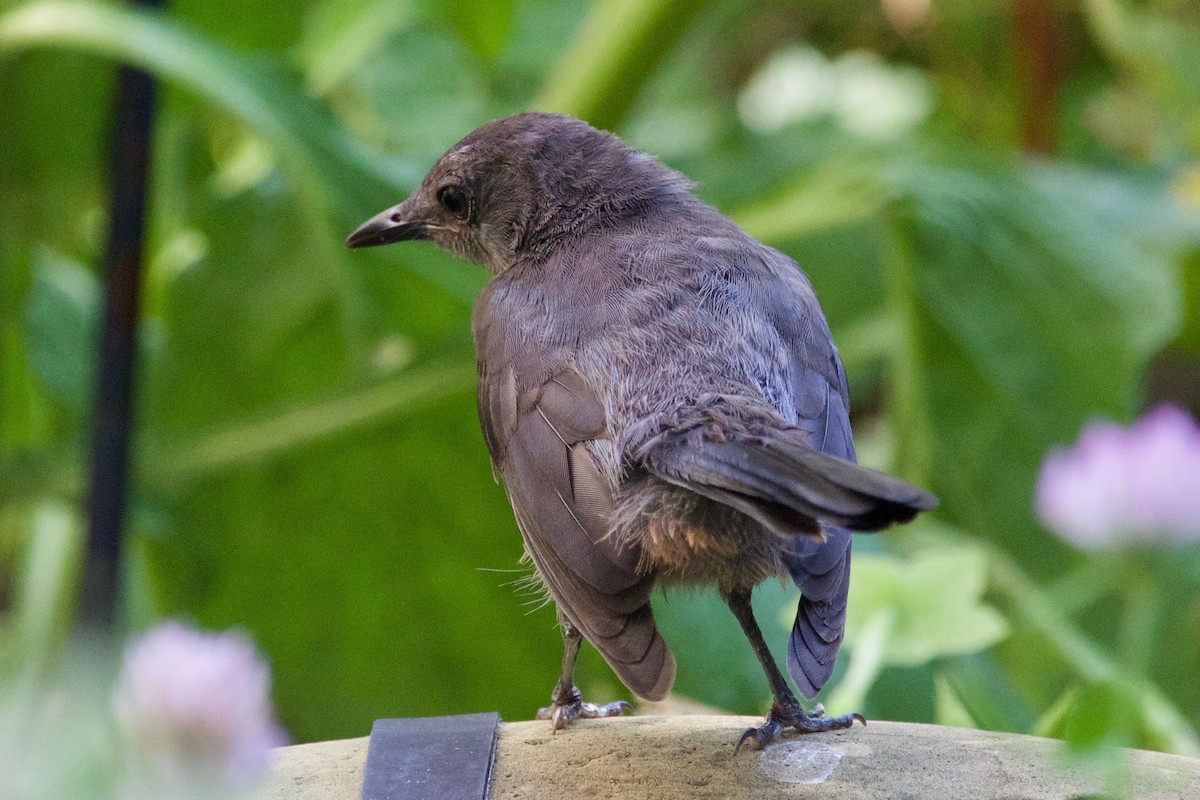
113,413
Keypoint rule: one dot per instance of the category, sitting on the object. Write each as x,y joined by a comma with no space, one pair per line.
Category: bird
661,398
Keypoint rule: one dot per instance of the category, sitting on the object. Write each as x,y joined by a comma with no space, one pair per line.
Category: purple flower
194,711
1138,484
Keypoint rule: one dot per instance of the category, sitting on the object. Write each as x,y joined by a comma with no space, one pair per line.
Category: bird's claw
762,736
562,714
803,721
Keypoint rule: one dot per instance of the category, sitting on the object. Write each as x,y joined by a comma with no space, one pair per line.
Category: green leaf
984,692
617,49
340,36
870,649
948,708
1161,51
62,320
1189,336
441,105
1166,727
483,24
832,195
283,433
1025,311
935,599
1053,721
1098,716
716,662
321,154
45,600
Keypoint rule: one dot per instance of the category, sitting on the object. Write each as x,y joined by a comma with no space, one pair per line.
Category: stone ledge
692,757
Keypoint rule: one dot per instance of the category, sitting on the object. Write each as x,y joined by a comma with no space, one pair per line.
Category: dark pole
112,421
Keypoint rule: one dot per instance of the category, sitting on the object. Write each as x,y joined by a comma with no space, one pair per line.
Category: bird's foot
562,711
780,719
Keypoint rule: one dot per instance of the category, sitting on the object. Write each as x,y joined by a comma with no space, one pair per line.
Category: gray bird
661,396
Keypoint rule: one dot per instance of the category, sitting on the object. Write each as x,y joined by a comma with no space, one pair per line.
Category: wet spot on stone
800,762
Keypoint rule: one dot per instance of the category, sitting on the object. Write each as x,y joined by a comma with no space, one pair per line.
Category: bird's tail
776,478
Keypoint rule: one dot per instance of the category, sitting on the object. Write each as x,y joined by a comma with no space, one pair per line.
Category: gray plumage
659,391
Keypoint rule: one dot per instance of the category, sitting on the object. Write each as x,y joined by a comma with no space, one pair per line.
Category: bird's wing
538,433
821,403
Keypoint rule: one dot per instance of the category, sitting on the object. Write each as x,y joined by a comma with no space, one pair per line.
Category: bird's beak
398,224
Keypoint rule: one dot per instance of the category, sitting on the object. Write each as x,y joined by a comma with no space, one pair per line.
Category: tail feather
811,498
785,484
852,475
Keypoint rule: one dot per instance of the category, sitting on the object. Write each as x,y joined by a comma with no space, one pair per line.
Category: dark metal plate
431,758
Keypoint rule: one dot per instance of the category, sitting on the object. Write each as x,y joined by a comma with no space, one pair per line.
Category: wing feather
538,431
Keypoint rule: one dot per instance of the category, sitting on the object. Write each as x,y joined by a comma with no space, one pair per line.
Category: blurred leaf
1053,722
45,594
276,436
832,195
1189,337
1097,716
617,49
1025,311
935,598
251,30
984,692
1135,207
715,660
948,708
304,131
1162,51
439,105
56,729
286,432
1164,724
868,658
341,35
62,318
17,393
483,24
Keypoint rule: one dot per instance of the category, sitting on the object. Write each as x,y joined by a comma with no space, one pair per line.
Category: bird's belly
688,539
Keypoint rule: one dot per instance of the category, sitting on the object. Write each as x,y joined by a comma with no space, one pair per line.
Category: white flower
194,711
867,96
1140,484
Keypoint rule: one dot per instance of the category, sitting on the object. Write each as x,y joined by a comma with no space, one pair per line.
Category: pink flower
1139,485
194,711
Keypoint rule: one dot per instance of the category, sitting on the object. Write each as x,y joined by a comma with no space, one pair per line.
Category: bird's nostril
395,217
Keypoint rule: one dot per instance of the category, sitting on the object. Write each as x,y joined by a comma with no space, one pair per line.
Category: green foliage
1082,305
308,459
931,604
62,311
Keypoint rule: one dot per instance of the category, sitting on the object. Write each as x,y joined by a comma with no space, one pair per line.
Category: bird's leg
566,701
786,712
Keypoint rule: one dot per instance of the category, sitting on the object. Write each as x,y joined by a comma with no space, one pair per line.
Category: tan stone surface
318,771
692,757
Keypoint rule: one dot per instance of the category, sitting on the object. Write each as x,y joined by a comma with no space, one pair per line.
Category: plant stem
1161,718
1140,619
865,663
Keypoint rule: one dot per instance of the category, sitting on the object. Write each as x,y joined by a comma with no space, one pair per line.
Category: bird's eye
454,199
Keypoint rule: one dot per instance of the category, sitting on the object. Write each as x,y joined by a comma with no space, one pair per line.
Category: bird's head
518,187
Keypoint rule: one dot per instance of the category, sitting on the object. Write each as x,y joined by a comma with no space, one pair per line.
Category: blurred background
997,200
